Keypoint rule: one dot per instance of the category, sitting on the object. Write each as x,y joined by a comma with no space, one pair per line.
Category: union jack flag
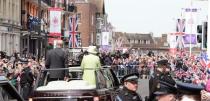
76,41
180,28
180,25
204,60
73,32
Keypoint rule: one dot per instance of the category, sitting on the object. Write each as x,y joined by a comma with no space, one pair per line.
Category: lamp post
208,29
39,30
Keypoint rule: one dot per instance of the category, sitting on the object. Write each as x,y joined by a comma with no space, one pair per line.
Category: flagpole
208,29
191,28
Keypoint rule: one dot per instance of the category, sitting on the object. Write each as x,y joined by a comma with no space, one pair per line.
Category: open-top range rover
76,89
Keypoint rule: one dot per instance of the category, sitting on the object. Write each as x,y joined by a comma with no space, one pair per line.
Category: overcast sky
143,16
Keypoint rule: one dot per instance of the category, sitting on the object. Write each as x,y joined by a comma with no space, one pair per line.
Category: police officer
26,79
130,86
165,92
162,72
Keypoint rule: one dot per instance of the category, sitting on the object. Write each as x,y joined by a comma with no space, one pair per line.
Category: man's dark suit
56,58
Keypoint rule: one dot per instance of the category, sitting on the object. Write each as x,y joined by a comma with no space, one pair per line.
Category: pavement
143,89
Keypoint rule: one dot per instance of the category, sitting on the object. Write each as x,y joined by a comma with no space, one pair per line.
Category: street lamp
39,30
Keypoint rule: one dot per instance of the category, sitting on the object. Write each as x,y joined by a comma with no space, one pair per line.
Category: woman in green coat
90,63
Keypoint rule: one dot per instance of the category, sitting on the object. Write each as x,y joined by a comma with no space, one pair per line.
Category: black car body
105,89
8,92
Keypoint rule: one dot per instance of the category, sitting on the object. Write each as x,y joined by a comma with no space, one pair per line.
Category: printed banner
55,20
190,39
105,38
191,20
173,40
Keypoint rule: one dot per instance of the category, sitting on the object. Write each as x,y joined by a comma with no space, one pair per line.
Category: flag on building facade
105,38
190,39
180,26
74,36
55,21
204,60
191,23
55,25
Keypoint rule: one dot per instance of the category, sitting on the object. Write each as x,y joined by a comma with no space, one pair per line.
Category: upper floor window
136,41
131,41
145,41
79,17
97,15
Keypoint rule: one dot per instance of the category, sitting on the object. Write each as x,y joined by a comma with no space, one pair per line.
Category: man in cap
26,79
130,86
162,72
165,92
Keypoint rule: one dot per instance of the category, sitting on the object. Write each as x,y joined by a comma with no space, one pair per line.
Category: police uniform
165,88
159,76
26,81
162,89
125,94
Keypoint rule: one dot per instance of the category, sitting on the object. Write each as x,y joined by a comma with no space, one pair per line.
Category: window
132,41
78,37
145,41
97,15
136,41
92,20
98,31
98,39
80,1
4,7
13,12
0,8
79,18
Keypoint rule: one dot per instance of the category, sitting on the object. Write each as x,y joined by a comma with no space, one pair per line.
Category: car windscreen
68,74
104,79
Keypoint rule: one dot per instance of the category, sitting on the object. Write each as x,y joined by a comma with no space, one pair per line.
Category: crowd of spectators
13,66
185,68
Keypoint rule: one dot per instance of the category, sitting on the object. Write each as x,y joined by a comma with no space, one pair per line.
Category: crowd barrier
122,70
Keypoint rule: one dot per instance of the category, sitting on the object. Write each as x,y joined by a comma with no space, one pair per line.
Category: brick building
89,11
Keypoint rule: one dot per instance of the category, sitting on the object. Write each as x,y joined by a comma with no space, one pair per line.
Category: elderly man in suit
57,58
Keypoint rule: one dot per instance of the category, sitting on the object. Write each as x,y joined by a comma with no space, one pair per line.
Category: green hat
92,49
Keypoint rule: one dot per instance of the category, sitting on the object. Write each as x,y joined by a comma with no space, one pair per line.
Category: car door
8,92
111,84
